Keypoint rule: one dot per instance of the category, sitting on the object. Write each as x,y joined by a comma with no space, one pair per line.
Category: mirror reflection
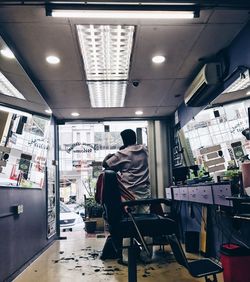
23,148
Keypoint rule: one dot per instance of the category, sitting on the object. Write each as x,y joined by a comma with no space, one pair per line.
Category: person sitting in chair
131,165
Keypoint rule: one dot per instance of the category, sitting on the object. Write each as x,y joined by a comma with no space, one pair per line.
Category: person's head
128,137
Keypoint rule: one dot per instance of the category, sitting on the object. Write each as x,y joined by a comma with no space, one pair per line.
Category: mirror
23,135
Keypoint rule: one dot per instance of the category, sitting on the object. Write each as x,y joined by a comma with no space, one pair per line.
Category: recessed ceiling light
48,111
6,52
75,114
53,60
139,113
158,59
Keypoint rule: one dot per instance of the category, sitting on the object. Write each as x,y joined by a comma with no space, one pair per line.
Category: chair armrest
167,202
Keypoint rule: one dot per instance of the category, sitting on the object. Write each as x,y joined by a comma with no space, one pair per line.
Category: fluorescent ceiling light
109,14
6,52
139,113
125,10
48,111
6,88
75,114
106,52
107,93
53,60
158,59
242,82
14,111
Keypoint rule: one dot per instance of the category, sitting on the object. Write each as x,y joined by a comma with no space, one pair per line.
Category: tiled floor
77,259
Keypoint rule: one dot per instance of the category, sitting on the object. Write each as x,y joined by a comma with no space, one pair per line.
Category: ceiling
32,36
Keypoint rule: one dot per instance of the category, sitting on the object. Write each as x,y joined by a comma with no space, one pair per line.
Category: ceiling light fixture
159,59
242,82
106,52
75,114
139,113
6,52
123,11
53,60
107,94
6,88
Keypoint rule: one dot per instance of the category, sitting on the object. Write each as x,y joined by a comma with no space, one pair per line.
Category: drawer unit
204,194
176,193
220,192
184,194
192,194
168,193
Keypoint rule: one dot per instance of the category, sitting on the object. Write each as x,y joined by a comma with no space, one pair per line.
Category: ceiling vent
199,93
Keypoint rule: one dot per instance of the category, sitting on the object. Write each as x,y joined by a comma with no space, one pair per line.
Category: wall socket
18,209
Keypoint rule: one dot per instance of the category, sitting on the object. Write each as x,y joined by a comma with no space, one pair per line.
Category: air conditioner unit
200,92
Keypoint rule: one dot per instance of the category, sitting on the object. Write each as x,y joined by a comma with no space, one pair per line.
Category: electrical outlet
18,209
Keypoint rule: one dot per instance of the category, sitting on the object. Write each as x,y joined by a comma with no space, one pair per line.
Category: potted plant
93,210
93,213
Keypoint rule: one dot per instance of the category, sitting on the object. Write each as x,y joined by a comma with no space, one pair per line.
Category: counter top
239,199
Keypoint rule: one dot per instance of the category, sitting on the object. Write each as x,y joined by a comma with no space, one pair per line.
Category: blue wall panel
21,236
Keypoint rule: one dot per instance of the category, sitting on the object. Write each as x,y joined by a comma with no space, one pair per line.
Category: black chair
197,268
128,225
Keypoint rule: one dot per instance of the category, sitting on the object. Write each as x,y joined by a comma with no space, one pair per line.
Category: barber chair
129,225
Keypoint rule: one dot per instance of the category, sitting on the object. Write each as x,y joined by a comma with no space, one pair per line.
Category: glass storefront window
82,150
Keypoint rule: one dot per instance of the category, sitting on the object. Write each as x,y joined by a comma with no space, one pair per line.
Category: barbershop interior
74,75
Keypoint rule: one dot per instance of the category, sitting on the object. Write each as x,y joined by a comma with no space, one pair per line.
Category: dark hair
128,137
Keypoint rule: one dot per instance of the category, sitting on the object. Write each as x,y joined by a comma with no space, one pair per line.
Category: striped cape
125,194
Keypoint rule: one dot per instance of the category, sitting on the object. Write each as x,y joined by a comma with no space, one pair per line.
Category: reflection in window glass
26,139
202,131
224,126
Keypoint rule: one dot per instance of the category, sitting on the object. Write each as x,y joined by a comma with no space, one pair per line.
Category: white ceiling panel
100,113
173,42
147,93
213,39
175,94
67,93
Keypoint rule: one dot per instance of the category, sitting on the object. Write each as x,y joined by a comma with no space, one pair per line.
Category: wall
238,55
23,236
160,156
221,228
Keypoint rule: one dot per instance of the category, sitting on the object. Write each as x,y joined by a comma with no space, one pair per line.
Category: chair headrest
111,197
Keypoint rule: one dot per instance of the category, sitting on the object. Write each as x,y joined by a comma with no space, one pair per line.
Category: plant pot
99,223
90,226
